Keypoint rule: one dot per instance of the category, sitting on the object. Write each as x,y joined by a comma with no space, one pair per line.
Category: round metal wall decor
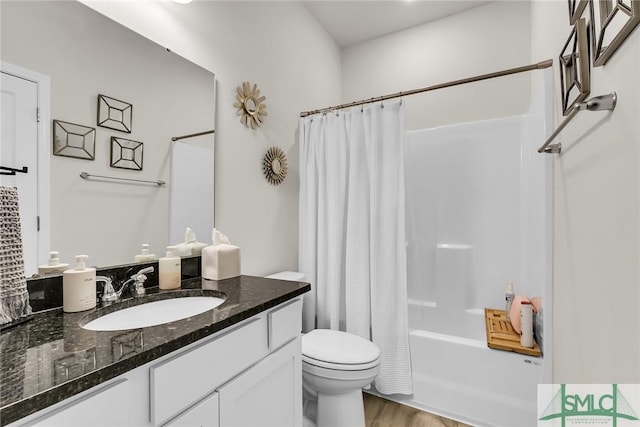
274,165
250,105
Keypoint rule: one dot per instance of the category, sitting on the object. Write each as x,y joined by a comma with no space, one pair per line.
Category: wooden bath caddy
501,336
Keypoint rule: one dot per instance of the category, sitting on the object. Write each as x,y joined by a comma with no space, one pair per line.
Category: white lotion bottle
526,323
79,287
169,270
54,266
144,255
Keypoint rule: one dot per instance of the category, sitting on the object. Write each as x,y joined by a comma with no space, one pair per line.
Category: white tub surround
478,217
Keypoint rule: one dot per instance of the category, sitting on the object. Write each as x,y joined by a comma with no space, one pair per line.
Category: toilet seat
338,350
339,366
341,375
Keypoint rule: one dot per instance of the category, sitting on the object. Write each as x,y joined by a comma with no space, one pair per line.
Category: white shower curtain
352,231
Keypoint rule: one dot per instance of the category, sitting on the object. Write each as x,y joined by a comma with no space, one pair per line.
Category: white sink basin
153,313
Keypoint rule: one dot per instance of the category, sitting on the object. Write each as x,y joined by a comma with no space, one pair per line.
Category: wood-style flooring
379,412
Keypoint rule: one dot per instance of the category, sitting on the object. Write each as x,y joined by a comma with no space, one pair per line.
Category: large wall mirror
86,55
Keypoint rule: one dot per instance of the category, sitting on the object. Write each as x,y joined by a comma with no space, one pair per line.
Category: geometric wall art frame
612,21
72,140
114,114
576,8
126,154
575,71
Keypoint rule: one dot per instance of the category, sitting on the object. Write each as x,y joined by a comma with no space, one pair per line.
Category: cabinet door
268,394
203,414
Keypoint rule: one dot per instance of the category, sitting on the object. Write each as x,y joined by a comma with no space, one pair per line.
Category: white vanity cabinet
248,374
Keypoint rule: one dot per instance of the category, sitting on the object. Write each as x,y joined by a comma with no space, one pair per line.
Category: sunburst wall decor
274,165
250,105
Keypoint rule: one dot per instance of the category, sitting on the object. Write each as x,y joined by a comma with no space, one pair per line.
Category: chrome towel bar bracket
597,103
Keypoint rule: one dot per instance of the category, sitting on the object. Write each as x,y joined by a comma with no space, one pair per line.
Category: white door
18,149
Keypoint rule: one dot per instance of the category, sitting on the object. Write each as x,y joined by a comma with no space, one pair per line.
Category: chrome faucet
136,281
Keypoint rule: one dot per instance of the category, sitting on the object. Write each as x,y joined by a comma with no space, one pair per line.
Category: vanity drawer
285,323
81,411
189,376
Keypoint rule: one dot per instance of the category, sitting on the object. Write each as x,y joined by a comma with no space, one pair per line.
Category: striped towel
14,298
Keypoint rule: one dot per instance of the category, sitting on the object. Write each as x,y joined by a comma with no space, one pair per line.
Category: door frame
43,83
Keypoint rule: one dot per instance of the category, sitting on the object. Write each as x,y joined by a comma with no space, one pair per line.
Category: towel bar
598,103
85,175
12,171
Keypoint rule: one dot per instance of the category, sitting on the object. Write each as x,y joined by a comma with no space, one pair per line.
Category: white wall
596,217
482,40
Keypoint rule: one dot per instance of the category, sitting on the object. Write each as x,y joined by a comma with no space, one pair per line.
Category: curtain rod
538,66
178,138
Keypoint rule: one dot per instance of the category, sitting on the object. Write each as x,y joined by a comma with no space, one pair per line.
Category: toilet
335,367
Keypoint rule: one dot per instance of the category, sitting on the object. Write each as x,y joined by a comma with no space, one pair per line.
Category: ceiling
351,22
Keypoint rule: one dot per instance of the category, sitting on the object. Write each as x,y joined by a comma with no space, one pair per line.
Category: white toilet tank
308,299
294,276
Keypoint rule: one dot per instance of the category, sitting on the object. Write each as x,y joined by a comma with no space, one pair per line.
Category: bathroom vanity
238,364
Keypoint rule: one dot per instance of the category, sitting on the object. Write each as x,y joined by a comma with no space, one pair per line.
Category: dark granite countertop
51,357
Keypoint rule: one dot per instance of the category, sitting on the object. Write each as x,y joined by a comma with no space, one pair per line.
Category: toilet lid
338,347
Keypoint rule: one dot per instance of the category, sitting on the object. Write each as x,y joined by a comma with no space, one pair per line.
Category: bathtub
478,216
464,380
457,376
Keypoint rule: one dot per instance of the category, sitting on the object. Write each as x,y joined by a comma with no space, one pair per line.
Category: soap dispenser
144,255
54,266
79,287
169,270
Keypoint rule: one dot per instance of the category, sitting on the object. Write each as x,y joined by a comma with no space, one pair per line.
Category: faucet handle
142,273
108,293
139,279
